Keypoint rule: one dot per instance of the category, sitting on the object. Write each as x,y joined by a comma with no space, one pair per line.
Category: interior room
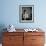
10,15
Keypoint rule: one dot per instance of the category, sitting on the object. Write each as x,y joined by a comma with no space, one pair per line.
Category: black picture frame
26,13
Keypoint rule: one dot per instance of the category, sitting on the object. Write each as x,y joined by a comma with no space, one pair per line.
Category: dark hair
24,11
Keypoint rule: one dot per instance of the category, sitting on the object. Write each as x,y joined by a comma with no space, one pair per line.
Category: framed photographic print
26,13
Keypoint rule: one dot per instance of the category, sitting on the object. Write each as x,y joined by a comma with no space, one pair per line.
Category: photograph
26,13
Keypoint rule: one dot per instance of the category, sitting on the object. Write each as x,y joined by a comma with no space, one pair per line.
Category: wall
10,13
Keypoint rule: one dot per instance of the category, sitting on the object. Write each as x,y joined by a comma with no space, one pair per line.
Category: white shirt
25,16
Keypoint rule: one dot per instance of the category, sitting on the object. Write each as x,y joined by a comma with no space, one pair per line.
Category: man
26,16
